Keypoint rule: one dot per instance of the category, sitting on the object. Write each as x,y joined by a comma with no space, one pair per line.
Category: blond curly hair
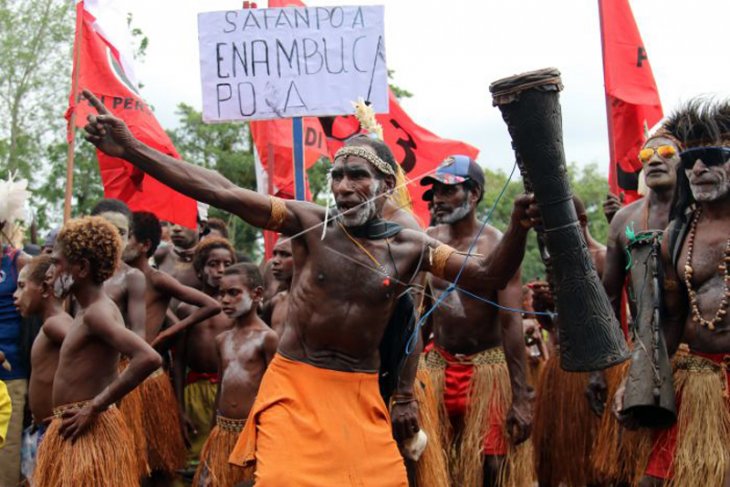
94,239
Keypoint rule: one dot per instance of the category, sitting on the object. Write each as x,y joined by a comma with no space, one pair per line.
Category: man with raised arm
319,418
477,357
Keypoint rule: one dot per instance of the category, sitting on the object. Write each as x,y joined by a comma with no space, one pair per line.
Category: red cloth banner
632,99
102,70
418,151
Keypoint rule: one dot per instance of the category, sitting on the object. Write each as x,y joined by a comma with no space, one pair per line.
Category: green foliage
397,90
226,148
587,183
87,187
35,43
317,177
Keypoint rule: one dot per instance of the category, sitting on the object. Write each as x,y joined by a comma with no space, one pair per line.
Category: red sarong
457,381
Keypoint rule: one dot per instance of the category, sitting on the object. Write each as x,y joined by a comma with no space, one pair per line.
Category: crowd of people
366,351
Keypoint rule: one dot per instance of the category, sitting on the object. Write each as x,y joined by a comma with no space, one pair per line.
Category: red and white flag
632,99
104,65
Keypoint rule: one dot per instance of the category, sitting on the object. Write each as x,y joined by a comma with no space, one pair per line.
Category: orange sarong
312,427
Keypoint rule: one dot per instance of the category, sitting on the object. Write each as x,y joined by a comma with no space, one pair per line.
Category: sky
447,54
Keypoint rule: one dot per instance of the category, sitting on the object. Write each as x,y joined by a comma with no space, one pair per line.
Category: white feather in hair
366,116
13,196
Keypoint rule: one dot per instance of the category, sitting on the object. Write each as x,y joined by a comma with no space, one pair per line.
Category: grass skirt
431,468
161,420
564,428
703,440
489,394
214,469
104,456
131,408
619,454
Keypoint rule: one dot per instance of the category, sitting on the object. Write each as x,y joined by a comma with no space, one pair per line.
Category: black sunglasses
710,156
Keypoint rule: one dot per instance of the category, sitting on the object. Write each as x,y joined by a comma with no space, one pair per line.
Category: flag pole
611,149
71,130
298,148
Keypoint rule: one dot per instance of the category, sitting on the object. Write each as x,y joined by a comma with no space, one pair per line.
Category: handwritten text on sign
289,62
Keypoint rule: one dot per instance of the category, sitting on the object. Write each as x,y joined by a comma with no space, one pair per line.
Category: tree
35,69
226,148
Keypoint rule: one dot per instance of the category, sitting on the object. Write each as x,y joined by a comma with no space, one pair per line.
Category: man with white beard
696,295
319,418
478,351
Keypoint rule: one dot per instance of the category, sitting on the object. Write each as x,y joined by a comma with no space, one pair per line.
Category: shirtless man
88,439
244,352
34,297
160,417
282,262
177,260
343,294
471,330
696,257
195,349
127,289
614,458
161,287
127,286
660,157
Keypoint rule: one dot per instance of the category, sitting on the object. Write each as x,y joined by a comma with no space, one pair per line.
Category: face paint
243,306
62,285
457,213
364,212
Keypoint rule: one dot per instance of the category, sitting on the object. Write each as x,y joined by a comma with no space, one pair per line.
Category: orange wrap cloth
104,456
698,445
476,388
311,427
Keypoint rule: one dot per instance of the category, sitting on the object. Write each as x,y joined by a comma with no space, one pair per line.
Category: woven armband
438,258
278,214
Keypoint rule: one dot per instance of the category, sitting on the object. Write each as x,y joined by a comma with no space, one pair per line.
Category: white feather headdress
13,196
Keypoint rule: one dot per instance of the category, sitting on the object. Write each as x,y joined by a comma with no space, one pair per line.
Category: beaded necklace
688,271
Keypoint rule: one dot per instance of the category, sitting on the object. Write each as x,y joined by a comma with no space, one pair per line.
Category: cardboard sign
259,64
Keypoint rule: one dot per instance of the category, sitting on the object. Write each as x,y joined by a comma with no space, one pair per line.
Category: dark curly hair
204,248
146,228
94,239
249,272
38,267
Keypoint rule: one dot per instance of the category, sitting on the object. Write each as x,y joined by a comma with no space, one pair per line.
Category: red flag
632,99
104,67
273,140
417,150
